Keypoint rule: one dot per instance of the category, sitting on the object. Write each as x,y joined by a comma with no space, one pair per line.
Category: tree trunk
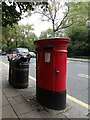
53,28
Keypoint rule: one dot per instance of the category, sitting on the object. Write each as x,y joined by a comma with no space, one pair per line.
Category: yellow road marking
3,63
78,102
30,77
68,96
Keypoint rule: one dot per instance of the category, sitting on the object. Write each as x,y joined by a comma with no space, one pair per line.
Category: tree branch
42,13
70,24
63,19
50,12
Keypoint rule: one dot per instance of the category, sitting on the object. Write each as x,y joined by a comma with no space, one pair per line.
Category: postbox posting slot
48,48
37,49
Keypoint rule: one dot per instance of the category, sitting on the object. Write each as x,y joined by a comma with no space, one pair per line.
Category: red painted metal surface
51,63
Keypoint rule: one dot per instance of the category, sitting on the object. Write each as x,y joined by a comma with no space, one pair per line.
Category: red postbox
51,60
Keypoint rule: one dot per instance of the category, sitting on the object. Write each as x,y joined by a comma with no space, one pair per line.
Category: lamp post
24,32
16,39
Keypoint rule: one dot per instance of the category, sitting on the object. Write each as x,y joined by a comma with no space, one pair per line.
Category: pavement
78,59
22,103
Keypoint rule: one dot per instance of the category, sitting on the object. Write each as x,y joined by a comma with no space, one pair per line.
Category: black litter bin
19,72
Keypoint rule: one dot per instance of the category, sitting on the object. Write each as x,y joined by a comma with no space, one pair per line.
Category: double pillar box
51,60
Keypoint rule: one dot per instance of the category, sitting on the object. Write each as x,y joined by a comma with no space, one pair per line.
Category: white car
32,54
18,52
0,51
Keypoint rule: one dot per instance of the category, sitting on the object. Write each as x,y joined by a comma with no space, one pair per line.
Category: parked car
0,52
18,52
3,53
32,54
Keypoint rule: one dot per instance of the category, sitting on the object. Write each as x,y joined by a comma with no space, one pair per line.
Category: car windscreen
22,50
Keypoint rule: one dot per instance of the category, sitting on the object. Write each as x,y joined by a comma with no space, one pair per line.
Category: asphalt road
77,78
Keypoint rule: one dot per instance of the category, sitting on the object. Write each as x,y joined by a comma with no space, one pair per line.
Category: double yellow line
68,96
78,102
3,63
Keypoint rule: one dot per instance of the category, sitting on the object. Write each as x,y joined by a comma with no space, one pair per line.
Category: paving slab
31,114
43,111
9,91
44,114
74,113
8,112
0,97
78,107
4,100
22,108
49,114
58,113
16,100
35,104
26,93
0,112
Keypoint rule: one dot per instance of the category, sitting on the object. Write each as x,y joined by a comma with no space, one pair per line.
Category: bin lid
53,41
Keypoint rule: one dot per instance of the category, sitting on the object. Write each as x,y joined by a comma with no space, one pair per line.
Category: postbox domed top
54,41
